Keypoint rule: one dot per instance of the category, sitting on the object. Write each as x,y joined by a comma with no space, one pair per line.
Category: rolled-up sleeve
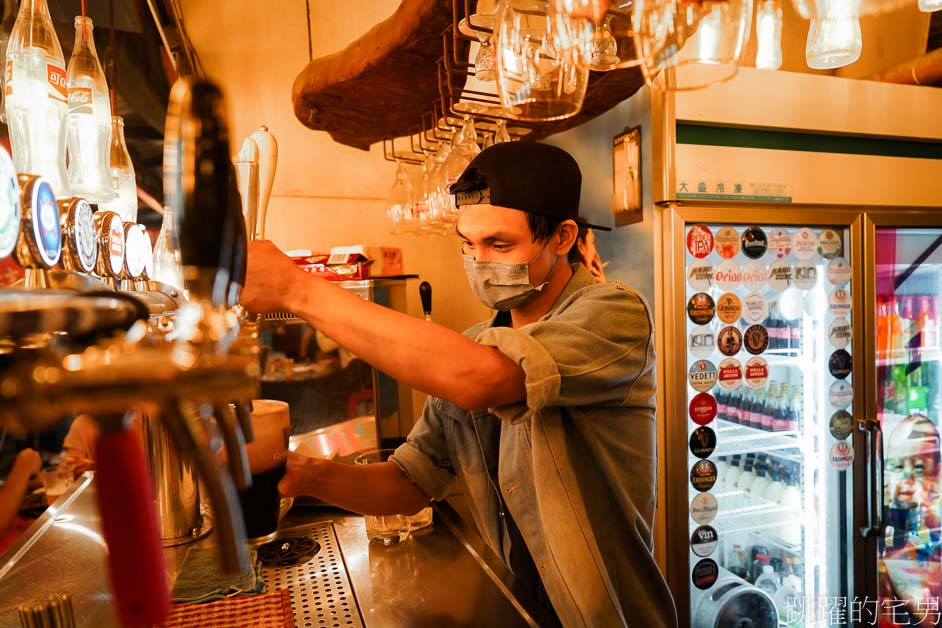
591,352
424,457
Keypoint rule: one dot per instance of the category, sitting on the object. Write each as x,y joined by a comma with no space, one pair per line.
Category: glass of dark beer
267,456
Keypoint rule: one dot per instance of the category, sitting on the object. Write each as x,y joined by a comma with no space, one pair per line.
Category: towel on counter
272,610
201,580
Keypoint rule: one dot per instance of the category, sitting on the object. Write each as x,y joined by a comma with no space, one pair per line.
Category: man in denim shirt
544,414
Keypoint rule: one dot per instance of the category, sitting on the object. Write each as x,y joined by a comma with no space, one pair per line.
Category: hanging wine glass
400,200
809,8
834,39
480,26
769,35
501,134
596,33
437,198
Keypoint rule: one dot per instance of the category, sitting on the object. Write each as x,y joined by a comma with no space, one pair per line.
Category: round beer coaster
780,243
728,308
805,243
702,375
702,408
791,304
840,394
702,442
839,364
839,302
839,333
829,244
729,340
700,275
700,241
701,308
757,372
806,275
755,308
727,243
756,339
703,475
781,275
730,374
838,271
841,455
841,424
705,573
755,274
754,242
728,275
703,541
702,341
703,508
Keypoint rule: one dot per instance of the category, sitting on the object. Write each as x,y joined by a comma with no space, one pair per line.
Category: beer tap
110,264
39,244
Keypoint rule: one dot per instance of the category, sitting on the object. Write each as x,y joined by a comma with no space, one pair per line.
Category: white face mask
505,285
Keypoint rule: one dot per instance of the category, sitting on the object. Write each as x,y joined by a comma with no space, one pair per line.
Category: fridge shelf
740,511
733,439
904,357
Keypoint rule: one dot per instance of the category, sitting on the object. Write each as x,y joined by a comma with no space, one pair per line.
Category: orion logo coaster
829,244
756,339
839,271
703,508
701,308
841,424
841,456
703,475
755,308
727,243
839,333
805,244
755,275
700,276
840,364
780,243
700,241
840,394
705,573
703,541
754,242
702,408
781,275
757,372
730,375
729,340
728,275
839,302
702,375
702,442
701,342
806,275
728,308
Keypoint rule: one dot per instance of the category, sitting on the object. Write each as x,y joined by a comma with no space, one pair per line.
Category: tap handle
425,292
126,504
235,446
239,243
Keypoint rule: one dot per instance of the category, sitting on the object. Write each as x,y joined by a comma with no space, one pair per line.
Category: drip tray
321,594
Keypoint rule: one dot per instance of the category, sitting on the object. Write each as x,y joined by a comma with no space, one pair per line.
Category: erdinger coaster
703,475
701,308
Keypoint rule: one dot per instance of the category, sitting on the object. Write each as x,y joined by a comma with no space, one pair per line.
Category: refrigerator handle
863,427
879,466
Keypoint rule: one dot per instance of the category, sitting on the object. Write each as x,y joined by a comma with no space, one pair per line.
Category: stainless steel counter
442,576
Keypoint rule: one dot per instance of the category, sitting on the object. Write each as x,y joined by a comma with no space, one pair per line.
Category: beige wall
324,194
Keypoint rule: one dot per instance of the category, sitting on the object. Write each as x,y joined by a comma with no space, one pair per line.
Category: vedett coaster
754,242
728,308
701,308
755,308
757,372
841,455
806,275
839,302
728,275
700,241
702,408
727,243
705,573
703,541
839,333
703,475
829,244
702,375
703,508
780,243
730,374
756,339
702,341
840,394
755,274
729,340
839,271
841,424
700,275
781,275
702,442
839,364
805,244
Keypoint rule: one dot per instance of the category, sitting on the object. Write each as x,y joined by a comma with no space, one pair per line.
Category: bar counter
442,576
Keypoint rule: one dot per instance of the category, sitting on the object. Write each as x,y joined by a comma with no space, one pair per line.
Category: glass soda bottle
89,119
37,98
123,181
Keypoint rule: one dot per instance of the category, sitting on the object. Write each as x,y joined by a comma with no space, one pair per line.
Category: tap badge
9,209
85,236
46,223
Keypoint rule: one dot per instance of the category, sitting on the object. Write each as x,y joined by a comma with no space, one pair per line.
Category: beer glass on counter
386,529
267,455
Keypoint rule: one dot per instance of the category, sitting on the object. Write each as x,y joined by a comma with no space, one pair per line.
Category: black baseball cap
529,176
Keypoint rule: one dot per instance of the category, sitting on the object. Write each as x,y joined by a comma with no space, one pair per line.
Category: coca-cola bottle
89,119
123,181
37,98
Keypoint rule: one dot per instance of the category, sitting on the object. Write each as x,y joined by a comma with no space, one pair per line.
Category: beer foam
271,422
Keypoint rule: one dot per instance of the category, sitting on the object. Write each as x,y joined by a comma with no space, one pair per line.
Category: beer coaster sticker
700,241
728,275
805,244
806,275
703,508
780,243
839,302
705,574
702,442
841,455
729,340
839,364
703,475
756,339
703,541
728,308
838,271
757,372
755,308
701,308
754,242
755,274
840,394
727,243
730,374
839,333
700,276
829,244
702,341
781,275
841,424
702,408
702,375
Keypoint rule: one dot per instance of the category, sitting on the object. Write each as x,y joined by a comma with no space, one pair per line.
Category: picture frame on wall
626,177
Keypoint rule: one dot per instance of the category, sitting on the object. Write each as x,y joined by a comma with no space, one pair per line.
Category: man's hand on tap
271,277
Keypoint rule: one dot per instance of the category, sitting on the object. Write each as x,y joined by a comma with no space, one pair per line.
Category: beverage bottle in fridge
732,474
721,467
895,329
37,98
791,501
748,475
759,559
767,580
123,181
776,486
761,484
773,327
721,405
794,330
930,349
793,415
737,562
768,408
89,137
